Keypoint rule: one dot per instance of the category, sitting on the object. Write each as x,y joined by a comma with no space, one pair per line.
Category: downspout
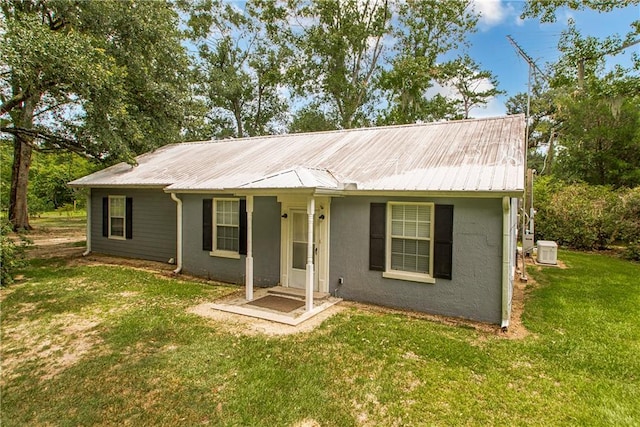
506,312
88,250
178,233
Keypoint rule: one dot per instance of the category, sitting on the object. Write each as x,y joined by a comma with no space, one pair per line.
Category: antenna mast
527,234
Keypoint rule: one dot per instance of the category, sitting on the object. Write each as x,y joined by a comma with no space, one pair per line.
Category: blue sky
499,18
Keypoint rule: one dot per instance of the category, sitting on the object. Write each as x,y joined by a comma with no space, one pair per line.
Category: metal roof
481,155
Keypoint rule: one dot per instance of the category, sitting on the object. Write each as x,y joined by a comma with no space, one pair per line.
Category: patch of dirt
55,344
161,268
50,242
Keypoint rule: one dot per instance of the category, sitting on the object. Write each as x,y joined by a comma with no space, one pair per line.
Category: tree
546,9
103,79
239,68
600,135
312,118
337,49
474,87
425,31
591,115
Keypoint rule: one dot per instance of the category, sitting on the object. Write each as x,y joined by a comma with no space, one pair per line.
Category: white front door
298,246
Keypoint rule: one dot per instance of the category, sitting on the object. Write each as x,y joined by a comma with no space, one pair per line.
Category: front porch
277,304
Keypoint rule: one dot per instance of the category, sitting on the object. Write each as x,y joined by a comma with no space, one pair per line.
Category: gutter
506,311
178,234
88,250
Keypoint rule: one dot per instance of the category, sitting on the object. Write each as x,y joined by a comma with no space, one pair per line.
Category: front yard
87,344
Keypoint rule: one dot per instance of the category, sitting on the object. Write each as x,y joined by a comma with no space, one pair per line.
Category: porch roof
482,155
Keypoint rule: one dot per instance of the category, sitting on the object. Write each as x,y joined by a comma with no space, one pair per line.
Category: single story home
420,217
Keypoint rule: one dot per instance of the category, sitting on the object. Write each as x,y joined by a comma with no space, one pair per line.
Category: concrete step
296,293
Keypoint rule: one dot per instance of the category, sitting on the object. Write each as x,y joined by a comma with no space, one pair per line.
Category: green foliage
476,87
238,71
629,208
339,53
426,30
584,216
12,252
104,79
48,179
632,251
547,9
312,119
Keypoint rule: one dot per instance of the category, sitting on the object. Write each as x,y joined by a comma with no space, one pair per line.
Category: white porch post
311,209
249,259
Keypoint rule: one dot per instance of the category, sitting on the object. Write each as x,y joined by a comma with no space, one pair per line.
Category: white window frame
124,218
224,253
408,275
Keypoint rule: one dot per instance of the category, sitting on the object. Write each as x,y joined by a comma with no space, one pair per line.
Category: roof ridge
360,129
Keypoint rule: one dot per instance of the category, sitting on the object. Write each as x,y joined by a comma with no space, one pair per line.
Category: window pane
410,263
227,220
300,227
396,262
423,264
227,212
423,248
397,246
410,212
397,212
299,255
397,228
424,229
410,234
227,238
117,227
410,229
410,247
424,213
116,206
410,255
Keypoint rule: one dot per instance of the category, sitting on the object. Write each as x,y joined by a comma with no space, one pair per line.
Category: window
117,217
226,227
409,244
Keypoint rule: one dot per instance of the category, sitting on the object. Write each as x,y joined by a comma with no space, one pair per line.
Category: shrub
632,251
629,221
11,253
580,216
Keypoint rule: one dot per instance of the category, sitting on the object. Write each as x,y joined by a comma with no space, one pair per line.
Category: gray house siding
474,291
154,225
266,244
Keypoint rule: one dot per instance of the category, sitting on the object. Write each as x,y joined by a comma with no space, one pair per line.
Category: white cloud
495,107
492,12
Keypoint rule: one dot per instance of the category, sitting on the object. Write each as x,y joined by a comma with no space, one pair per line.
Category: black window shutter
242,235
129,218
443,242
377,225
105,217
207,225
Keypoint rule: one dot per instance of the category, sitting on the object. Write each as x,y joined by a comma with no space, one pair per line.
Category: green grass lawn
67,220
107,345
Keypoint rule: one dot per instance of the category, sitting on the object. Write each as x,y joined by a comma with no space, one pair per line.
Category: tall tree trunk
22,149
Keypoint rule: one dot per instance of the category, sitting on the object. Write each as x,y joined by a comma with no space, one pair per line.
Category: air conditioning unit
547,252
527,243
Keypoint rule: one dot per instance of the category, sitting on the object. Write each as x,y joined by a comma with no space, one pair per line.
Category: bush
580,216
629,223
12,253
632,251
